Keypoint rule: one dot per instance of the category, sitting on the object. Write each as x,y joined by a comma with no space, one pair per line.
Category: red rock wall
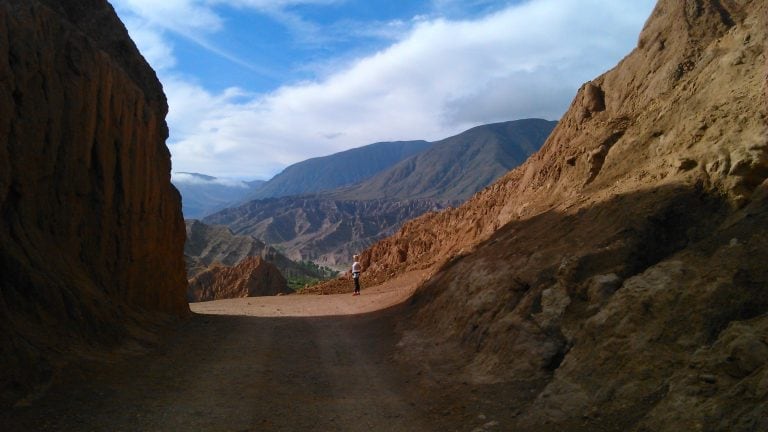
252,277
687,106
91,230
622,268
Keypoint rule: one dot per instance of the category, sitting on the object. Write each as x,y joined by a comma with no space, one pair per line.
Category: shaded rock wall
622,267
252,277
91,233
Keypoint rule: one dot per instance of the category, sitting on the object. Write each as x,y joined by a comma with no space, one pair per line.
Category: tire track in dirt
245,372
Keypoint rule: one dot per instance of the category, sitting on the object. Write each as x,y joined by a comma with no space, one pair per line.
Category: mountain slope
337,170
621,270
457,167
329,227
202,194
325,231
207,245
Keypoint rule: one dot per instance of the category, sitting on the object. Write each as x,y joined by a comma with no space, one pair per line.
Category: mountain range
202,194
615,281
209,245
337,170
455,168
328,227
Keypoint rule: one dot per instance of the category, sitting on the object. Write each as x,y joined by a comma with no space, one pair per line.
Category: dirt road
292,363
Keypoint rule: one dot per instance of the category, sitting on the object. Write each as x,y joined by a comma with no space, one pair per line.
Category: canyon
91,239
615,281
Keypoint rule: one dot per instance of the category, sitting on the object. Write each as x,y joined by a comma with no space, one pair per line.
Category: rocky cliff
91,235
250,278
618,276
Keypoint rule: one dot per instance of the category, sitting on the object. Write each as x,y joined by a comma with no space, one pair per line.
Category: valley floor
290,363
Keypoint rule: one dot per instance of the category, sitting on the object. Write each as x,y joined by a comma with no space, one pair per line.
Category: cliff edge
618,276
91,237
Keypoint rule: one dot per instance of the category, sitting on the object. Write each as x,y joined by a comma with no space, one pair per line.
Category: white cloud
440,78
184,16
157,51
195,179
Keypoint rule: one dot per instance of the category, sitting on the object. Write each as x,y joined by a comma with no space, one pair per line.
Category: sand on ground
285,363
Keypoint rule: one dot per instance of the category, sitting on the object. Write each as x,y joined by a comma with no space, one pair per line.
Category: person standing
356,269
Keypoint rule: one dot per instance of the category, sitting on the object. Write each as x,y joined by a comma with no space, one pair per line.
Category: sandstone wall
621,271
687,106
91,233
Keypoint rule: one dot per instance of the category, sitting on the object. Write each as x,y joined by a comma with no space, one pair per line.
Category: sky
256,85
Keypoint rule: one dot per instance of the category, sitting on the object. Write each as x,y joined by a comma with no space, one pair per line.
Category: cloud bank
441,77
185,178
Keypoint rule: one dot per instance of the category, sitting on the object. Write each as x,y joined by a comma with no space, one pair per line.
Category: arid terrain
289,363
615,281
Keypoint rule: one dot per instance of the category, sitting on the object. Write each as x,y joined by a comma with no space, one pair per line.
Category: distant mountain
337,170
327,228
319,229
207,245
457,167
202,194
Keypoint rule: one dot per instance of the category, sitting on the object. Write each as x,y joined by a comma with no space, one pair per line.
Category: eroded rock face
252,277
624,264
91,232
687,106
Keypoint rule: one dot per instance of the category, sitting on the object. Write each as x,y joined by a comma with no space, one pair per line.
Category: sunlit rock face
622,268
91,233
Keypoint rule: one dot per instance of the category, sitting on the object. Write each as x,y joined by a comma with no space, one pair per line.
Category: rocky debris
91,235
606,264
252,277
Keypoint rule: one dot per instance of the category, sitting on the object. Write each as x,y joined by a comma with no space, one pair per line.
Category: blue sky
256,85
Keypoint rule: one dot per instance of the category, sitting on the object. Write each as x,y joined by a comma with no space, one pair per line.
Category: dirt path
292,363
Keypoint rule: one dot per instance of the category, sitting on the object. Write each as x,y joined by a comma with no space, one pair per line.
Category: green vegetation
320,274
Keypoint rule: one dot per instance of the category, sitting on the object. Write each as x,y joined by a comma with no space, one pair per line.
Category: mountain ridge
337,170
490,149
328,228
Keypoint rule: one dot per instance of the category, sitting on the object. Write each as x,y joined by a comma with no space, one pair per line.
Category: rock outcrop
91,233
252,277
622,267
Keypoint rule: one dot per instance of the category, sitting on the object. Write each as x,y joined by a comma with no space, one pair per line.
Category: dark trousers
357,284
